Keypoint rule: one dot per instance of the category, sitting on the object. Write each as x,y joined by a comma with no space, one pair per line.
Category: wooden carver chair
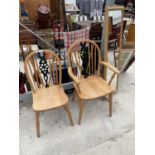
84,69
43,71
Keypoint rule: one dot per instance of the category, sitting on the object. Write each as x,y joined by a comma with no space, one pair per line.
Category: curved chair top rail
82,41
43,69
84,55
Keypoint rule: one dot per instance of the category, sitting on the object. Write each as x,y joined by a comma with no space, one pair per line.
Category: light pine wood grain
46,98
93,86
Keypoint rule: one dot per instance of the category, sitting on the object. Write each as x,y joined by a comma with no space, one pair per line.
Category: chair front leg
110,104
80,110
75,96
66,108
37,114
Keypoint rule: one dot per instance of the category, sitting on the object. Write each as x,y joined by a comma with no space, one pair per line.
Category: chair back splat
43,69
84,57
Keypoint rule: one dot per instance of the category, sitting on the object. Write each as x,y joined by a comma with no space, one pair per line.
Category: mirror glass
114,37
114,29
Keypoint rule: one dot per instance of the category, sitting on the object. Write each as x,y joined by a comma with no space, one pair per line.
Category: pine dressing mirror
113,29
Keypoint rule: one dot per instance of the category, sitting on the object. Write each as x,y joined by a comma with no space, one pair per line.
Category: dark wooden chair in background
96,32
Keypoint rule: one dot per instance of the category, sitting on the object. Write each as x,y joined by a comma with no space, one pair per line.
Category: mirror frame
106,29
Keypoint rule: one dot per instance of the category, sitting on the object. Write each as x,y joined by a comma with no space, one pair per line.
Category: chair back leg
37,114
110,104
66,108
80,110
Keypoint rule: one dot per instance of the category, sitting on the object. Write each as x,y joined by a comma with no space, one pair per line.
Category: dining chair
44,73
84,60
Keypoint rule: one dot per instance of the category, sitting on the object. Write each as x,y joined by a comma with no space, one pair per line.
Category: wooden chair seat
49,98
93,87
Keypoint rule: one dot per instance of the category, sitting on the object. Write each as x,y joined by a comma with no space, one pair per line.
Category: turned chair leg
66,108
80,110
75,96
115,57
110,104
37,123
117,82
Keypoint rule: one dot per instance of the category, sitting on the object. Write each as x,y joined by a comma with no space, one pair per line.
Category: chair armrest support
110,67
74,78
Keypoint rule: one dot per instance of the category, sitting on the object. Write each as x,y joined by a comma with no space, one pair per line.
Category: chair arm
75,79
110,67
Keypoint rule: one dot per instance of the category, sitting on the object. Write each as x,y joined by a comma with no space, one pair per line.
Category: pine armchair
84,60
43,71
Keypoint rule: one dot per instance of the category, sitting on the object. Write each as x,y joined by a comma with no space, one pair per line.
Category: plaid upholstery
72,36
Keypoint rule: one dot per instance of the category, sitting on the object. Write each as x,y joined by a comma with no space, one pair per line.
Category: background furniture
128,45
32,6
26,38
113,35
124,57
43,16
96,32
131,33
84,58
130,63
43,71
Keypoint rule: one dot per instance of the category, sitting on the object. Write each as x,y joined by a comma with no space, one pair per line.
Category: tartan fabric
72,36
